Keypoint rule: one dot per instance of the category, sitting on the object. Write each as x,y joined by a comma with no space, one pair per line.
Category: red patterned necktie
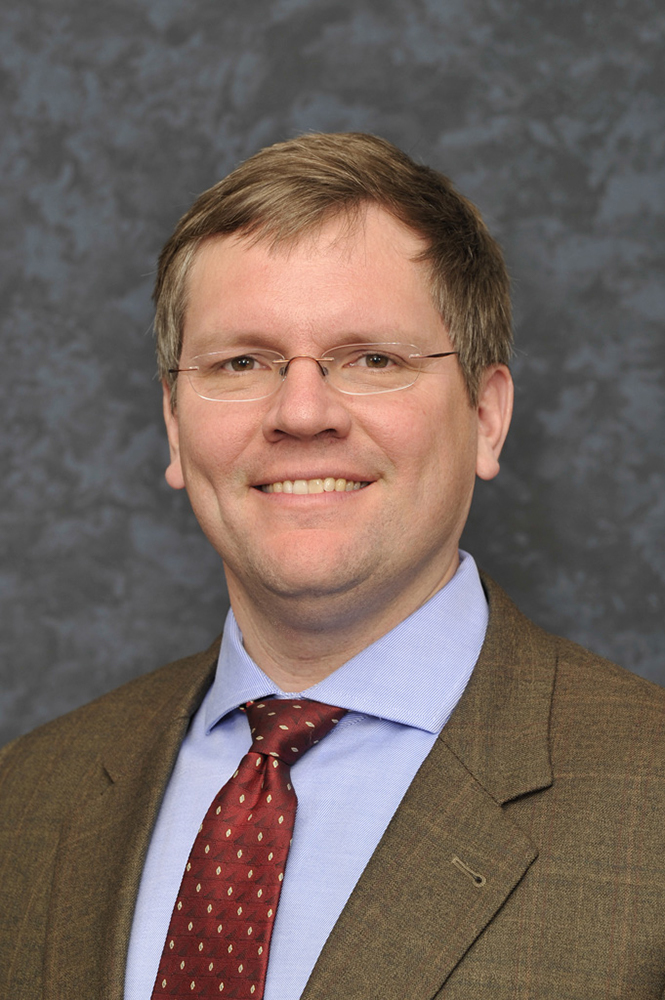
219,935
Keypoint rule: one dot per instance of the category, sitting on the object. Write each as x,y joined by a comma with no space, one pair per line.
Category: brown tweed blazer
527,859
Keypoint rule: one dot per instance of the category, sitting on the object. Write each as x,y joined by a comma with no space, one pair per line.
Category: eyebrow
228,340
219,340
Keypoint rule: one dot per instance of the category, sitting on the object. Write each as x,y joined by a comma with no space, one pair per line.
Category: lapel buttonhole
477,879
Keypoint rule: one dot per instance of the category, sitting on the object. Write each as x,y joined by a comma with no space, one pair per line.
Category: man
481,812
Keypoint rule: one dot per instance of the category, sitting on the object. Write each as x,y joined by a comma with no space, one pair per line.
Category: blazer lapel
451,856
101,851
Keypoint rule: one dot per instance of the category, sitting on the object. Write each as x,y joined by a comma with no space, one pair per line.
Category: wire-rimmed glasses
355,369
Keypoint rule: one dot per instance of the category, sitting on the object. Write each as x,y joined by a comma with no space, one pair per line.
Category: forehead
349,277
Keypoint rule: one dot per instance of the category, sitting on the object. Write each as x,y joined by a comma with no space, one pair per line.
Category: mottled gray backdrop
548,113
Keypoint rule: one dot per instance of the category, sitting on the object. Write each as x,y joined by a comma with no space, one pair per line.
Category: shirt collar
413,675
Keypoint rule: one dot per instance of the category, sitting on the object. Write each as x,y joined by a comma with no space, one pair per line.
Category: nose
284,370
305,406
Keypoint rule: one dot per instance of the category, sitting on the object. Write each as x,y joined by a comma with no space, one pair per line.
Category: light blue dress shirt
400,691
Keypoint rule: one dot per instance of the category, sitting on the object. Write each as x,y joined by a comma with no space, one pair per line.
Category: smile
305,486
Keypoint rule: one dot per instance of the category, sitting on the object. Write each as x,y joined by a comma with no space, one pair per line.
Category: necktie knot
287,728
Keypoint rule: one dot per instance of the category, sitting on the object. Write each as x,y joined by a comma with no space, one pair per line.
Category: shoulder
598,709
585,673
605,715
120,719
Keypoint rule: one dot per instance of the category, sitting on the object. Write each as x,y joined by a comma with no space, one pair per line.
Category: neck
298,643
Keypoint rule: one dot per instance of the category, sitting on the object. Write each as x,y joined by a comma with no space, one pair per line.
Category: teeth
304,486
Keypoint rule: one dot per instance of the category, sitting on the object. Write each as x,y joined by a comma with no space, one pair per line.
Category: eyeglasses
355,369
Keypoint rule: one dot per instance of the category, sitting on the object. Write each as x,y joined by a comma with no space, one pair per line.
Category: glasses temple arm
443,354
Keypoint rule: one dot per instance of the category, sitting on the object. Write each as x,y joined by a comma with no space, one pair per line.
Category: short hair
292,188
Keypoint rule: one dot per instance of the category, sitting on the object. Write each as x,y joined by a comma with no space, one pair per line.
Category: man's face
418,449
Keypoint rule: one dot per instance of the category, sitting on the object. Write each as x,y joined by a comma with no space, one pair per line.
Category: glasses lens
242,376
370,368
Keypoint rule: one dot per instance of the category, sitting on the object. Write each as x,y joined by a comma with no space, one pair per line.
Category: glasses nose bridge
284,367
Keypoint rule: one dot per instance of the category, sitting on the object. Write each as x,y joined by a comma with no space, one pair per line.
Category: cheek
431,437
211,445
438,457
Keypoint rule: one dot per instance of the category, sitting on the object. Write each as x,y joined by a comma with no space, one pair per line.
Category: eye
243,363
376,360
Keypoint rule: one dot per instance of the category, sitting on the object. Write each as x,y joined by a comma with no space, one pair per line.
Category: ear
495,408
174,476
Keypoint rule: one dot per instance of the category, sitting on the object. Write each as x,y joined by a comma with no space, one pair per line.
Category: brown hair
290,189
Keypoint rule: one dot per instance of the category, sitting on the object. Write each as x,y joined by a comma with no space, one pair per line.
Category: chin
311,572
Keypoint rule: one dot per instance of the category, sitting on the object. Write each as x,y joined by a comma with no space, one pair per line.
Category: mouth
302,487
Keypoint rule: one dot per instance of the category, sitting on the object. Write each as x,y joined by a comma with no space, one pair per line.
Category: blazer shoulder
602,676
121,717
586,672
605,712
597,712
